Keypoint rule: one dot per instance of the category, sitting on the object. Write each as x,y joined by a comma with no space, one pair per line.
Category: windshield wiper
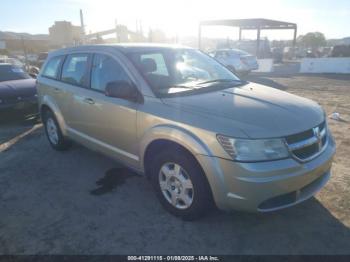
181,86
220,81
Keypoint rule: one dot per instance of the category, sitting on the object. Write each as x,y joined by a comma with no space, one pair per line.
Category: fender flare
174,134
50,103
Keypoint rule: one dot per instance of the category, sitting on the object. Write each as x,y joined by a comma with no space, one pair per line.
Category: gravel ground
50,202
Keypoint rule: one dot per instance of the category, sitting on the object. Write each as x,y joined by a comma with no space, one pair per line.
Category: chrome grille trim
319,132
306,142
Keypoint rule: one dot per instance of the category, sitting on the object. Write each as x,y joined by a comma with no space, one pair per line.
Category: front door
109,123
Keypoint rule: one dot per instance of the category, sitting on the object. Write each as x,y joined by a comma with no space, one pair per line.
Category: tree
312,40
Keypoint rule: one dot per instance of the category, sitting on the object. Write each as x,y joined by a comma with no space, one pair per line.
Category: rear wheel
180,184
54,133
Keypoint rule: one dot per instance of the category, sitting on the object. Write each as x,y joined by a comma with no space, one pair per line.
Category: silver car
238,61
202,136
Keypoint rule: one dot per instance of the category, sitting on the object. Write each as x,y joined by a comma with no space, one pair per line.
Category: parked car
310,54
341,51
238,61
17,88
200,139
32,58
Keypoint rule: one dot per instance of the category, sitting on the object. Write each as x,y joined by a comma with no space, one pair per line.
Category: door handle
56,90
89,101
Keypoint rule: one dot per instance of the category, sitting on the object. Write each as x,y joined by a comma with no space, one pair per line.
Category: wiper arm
220,80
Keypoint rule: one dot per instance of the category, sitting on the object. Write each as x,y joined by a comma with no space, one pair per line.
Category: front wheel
181,185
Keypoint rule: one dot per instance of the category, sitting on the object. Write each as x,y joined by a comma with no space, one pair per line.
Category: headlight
247,150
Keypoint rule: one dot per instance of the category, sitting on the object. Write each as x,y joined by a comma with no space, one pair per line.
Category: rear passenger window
105,70
75,70
52,67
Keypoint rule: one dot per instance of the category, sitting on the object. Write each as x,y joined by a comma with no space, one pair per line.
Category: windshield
170,71
10,72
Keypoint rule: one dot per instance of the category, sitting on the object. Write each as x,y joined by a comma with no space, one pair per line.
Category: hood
257,110
15,88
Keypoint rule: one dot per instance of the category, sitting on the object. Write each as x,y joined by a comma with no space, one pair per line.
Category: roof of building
254,23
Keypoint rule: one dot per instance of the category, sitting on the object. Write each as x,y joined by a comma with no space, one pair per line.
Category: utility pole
137,32
150,35
117,31
25,53
82,26
141,30
258,43
199,36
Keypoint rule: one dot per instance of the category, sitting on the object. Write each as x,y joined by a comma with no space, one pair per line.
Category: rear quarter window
52,67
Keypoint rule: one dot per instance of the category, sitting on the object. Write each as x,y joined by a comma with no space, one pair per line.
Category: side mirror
123,90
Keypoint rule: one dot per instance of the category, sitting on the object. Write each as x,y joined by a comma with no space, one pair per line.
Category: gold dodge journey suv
200,134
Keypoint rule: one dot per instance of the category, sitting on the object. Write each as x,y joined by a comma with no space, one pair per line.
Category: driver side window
106,69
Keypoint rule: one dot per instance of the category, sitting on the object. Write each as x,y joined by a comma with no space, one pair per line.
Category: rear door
74,81
50,85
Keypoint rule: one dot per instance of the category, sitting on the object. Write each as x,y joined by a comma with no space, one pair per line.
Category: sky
178,17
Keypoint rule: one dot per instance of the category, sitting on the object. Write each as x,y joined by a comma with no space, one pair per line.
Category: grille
308,144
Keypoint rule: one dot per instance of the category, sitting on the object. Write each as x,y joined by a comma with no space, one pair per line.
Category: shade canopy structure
257,24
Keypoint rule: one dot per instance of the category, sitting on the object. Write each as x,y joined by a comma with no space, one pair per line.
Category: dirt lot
50,203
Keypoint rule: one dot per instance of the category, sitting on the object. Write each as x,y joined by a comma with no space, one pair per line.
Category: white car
237,61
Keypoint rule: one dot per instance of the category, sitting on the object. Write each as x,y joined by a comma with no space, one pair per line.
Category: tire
53,132
190,173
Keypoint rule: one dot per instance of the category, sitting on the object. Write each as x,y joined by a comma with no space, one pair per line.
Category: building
63,33
17,42
122,35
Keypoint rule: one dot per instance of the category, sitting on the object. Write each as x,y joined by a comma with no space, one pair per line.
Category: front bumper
266,186
24,103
